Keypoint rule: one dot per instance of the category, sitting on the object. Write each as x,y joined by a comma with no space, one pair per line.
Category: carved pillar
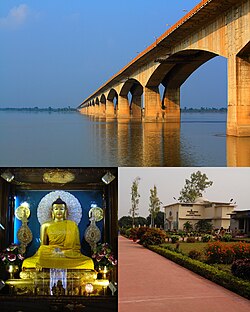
238,119
152,104
172,112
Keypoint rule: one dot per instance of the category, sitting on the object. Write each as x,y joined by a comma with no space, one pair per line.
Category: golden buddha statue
60,243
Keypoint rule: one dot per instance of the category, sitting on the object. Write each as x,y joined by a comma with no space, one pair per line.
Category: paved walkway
150,283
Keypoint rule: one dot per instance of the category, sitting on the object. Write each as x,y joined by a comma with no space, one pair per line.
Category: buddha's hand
58,252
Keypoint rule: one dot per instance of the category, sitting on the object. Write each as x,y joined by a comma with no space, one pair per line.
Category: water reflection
78,140
147,144
238,152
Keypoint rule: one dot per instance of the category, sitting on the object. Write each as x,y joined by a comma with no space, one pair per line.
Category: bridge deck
201,14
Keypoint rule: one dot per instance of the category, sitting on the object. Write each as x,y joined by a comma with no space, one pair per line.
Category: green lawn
186,247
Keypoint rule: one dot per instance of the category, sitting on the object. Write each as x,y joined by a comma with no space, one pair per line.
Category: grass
186,247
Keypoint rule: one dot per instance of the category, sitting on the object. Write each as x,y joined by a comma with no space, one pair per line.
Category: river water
40,139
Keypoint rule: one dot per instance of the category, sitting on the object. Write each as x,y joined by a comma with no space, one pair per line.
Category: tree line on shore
37,109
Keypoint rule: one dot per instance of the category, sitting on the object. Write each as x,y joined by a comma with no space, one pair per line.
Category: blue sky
56,53
170,181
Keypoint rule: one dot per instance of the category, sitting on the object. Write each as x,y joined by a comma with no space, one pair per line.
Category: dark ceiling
82,177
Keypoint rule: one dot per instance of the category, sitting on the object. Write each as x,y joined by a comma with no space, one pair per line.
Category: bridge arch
111,103
103,99
172,72
132,91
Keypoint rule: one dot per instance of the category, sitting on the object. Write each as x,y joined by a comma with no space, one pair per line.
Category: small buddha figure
60,243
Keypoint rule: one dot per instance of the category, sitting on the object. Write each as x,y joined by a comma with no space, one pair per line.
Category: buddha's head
59,210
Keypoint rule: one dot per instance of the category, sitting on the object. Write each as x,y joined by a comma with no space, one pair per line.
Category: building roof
203,201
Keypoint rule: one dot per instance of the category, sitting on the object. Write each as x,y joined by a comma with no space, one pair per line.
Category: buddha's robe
63,250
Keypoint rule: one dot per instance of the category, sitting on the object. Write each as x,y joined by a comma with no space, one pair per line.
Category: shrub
141,231
123,231
241,268
127,232
226,238
153,236
207,238
241,250
174,238
190,239
194,254
133,233
219,253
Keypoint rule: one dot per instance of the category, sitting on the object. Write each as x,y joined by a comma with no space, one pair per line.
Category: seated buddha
60,243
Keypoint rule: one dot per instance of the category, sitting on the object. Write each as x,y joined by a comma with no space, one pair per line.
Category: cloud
16,17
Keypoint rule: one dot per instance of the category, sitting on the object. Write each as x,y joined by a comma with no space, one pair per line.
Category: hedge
222,278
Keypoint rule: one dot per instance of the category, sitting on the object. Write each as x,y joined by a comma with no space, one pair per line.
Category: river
69,139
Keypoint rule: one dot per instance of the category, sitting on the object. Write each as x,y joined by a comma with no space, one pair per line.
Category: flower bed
218,252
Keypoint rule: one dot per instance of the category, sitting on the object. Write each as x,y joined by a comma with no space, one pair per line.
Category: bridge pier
123,107
152,104
90,110
172,112
238,119
110,110
136,111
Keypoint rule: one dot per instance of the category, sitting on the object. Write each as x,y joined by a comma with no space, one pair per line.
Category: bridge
212,28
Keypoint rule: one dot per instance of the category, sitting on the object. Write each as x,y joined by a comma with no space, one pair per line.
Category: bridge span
212,28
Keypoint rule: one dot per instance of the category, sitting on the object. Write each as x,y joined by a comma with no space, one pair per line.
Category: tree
140,221
204,226
158,221
154,204
194,187
125,221
134,199
187,226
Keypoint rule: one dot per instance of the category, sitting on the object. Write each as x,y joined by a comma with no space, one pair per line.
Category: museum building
218,213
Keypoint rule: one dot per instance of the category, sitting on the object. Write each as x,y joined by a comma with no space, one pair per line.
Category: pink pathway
150,283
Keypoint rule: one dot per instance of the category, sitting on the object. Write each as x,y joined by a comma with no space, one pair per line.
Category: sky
56,53
228,183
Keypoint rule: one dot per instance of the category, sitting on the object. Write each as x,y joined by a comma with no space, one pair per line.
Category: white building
216,212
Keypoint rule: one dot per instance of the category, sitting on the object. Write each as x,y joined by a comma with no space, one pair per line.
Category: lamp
8,176
108,177
2,227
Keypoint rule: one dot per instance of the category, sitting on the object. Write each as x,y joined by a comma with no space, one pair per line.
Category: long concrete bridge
212,28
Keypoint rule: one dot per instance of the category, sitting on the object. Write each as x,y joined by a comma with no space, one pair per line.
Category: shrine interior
58,239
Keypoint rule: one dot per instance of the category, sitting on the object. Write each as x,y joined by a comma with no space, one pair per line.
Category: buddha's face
59,212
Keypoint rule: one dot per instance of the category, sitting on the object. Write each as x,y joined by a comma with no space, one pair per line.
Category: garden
218,258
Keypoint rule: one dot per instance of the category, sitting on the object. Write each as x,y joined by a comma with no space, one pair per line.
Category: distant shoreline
70,109
37,109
